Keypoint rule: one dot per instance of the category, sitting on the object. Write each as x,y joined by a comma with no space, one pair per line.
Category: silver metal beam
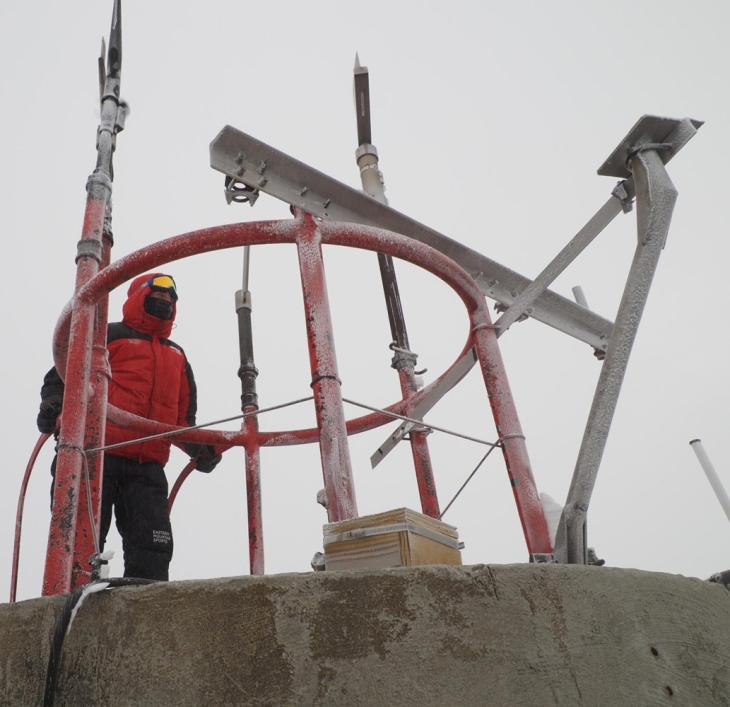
655,198
262,167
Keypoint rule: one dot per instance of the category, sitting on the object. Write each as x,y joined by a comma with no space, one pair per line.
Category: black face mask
160,308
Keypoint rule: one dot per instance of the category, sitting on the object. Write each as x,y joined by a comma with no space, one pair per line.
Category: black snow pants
138,494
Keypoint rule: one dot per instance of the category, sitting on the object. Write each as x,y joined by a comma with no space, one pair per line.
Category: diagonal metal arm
456,374
622,195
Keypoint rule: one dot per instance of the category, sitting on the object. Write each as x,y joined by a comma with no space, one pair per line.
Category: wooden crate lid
396,517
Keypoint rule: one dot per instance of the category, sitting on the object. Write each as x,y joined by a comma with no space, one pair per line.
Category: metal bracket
627,201
239,192
649,129
402,357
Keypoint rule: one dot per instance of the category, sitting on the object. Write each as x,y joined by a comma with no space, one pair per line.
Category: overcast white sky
491,120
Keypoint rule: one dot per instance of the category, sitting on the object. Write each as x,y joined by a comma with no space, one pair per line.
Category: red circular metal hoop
268,233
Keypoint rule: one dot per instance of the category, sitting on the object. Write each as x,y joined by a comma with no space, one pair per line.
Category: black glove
49,411
206,459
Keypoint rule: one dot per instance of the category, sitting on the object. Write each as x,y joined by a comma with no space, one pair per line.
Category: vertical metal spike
102,69
361,82
114,59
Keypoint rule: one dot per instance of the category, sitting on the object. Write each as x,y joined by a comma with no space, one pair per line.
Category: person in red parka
150,377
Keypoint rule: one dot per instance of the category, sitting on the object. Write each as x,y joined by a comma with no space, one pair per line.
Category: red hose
189,468
19,515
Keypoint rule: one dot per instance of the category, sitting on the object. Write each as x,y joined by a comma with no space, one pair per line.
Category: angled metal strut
650,144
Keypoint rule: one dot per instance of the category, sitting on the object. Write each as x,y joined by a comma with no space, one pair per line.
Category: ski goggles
163,283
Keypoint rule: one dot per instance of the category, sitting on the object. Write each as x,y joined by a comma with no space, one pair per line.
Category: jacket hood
133,313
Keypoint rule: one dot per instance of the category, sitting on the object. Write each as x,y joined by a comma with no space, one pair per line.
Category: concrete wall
498,635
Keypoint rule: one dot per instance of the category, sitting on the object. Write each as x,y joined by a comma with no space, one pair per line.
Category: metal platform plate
265,168
649,128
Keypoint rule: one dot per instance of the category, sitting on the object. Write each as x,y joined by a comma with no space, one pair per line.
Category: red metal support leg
510,433
334,450
253,494
419,450
59,577
95,433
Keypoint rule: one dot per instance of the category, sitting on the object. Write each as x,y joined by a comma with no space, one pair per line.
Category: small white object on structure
90,589
552,510
712,476
580,298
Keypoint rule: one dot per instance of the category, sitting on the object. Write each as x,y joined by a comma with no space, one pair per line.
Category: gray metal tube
247,371
712,476
580,297
655,199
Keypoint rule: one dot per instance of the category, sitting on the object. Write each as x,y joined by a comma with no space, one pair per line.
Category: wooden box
397,538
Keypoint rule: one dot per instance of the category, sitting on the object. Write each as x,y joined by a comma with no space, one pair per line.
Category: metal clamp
239,192
243,300
99,562
88,248
99,186
403,357
245,368
366,149
316,379
503,438
619,191
642,148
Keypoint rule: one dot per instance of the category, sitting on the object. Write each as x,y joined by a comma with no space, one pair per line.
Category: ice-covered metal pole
712,476
403,359
62,572
514,448
100,374
655,199
339,486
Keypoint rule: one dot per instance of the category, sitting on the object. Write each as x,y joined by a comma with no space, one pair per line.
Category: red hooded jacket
151,376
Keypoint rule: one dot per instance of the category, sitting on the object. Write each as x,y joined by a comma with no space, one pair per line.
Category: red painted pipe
253,496
59,576
509,429
99,377
187,470
419,450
